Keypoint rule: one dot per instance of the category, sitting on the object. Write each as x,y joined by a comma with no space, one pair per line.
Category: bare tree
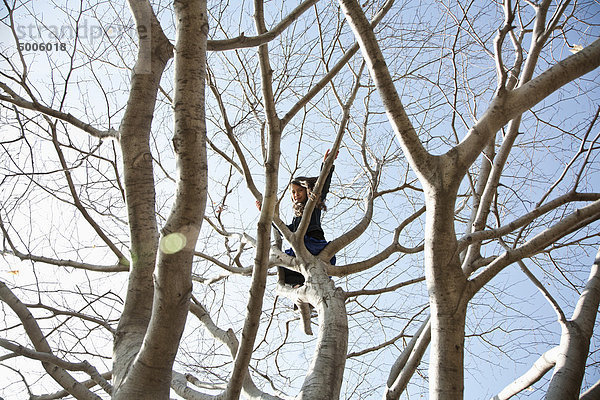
449,275
138,136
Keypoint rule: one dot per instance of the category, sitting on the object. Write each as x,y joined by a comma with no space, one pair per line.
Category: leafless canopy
137,138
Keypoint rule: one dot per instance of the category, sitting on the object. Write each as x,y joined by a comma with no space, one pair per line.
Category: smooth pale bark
149,375
38,339
440,177
139,187
305,315
324,377
575,341
542,365
570,363
407,363
592,393
263,243
446,284
326,371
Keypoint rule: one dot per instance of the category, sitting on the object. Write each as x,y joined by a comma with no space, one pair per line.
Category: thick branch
514,103
154,51
480,235
544,364
19,101
261,263
406,364
38,339
83,366
394,247
578,218
90,383
418,157
243,41
575,340
150,373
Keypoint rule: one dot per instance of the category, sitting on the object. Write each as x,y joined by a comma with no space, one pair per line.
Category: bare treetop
447,242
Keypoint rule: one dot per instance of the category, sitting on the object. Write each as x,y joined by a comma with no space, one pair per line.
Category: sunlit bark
441,181
441,177
139,188
149,375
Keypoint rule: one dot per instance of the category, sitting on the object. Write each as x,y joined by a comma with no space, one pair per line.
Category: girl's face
298,193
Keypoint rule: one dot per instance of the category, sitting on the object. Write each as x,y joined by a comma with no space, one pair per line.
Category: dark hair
307,182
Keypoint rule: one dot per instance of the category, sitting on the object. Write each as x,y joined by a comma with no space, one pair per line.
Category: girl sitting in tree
314,238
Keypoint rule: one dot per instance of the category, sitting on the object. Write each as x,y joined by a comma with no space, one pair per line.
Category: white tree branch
543,364
593,393
21,102
243,41
38,339
421,161
579,217
83,366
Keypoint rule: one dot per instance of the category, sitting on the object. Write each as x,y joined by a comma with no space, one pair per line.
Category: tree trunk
139,189
325,374
575,341
446,284
148,376
447,355
570,364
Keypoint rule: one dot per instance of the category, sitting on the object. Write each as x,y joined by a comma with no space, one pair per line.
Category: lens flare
172,243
